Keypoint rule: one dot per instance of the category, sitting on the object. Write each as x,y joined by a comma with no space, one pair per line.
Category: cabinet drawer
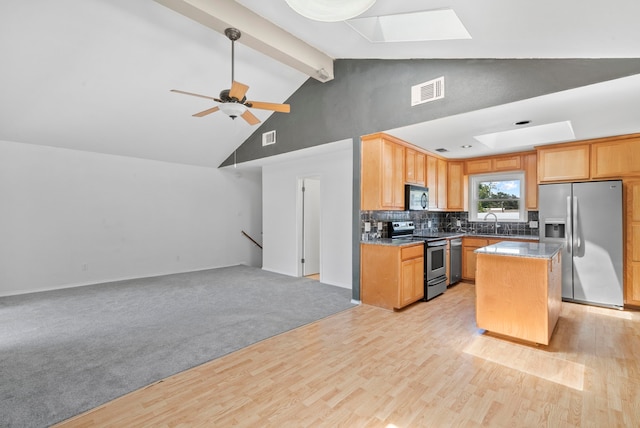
475,242
412,252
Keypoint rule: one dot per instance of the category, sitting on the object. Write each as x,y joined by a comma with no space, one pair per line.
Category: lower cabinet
472,243
391,277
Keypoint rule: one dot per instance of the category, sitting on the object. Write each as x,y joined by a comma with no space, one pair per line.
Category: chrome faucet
495,223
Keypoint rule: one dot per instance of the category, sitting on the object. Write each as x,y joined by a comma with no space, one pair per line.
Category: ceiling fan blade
250,118
195,95
207,111
238,90
281,108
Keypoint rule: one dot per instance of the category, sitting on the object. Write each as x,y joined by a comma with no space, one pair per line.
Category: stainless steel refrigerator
587,219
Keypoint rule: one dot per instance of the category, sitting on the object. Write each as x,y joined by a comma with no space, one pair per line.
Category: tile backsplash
435,221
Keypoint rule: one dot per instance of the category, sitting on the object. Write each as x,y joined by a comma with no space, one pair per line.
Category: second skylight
427,25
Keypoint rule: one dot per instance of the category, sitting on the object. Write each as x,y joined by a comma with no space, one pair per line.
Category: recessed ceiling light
467,146
522,122
422,26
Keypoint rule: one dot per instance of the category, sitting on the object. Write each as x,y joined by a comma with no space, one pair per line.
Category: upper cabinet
568,162
530,164
455,186
388,163
414,165
493,164
431,175
616,158
382,173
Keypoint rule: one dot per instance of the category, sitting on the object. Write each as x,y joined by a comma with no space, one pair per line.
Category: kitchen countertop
444,235
521,249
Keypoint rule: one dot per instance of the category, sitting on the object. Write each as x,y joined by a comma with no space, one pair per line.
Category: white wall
281,224
72,218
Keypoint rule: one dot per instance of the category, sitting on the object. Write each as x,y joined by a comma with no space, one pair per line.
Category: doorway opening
309,196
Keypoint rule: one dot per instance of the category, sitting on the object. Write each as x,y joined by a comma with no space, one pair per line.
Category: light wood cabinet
431,172
455,186
520,297
469,245
568,162
442,184
507,163
616,158
414,167
382,174
472,243
391,277
530,161
632,244
493,164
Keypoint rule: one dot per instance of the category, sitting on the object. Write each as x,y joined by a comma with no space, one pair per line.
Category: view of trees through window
499,197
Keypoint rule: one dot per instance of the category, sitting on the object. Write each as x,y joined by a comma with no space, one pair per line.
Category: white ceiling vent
269,138
427,91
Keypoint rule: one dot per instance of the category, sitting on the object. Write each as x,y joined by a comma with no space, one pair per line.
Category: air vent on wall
269,138
427,91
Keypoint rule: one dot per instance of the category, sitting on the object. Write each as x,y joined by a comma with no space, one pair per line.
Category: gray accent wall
369,96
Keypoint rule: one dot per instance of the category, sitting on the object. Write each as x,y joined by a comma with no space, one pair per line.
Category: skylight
427,25
532,135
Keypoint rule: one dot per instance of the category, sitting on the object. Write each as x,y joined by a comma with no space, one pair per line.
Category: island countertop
521,249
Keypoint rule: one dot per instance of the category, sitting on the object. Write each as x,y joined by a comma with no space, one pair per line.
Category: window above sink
499,194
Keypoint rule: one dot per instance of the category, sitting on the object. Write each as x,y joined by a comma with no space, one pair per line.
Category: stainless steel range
435,256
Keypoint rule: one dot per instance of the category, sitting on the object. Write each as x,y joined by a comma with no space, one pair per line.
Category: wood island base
519,297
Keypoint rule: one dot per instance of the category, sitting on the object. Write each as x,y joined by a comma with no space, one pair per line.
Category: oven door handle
436,281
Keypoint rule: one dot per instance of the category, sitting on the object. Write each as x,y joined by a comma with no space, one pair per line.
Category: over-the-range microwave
416,198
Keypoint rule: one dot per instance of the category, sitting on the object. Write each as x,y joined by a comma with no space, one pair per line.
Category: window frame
475,179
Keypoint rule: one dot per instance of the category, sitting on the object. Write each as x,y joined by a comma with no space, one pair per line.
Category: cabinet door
455,186
632,284
412,281
414,167
469,245
531,181
507,163
442,183
615,159
432,180
563,163
469,262
392,175
478,166
398,177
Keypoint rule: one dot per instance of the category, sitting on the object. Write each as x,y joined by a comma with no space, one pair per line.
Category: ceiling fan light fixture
233,110
330,10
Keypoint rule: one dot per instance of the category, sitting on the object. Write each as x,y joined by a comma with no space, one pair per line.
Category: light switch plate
533,224
367,226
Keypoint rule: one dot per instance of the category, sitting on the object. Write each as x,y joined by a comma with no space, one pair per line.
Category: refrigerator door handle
569,228
576,235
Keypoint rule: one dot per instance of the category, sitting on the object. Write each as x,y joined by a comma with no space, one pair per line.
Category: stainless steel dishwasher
455,260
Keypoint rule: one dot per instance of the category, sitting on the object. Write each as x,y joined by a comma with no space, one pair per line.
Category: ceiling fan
233,102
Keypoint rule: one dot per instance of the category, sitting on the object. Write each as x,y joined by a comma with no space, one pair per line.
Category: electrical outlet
429,223
533,224
367,226
458,223
379,227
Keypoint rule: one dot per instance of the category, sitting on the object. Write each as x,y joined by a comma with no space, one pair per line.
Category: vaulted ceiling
95,75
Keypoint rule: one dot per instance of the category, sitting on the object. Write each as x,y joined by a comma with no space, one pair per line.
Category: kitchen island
519,289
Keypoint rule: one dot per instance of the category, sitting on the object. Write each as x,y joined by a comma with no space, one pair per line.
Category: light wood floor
427,366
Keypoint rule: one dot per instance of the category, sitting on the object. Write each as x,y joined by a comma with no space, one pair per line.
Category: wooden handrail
251,239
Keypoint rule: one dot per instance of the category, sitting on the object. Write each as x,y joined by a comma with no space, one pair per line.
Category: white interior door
311,226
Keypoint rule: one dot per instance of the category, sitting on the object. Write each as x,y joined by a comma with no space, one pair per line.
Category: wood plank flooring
426,366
